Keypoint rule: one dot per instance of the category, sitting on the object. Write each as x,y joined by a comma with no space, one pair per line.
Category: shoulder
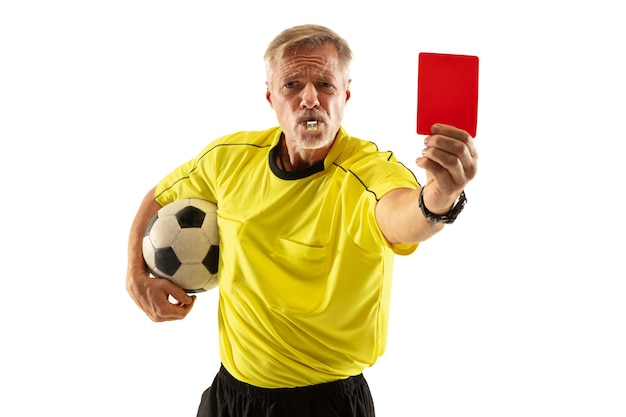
376,170
255,138
362,156
239,142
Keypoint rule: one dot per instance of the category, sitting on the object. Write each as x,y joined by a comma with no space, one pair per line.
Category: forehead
323,60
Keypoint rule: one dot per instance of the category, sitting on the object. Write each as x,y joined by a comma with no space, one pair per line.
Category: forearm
401,219
146,211
152,295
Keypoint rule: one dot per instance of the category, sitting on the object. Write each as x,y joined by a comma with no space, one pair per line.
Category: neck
296,159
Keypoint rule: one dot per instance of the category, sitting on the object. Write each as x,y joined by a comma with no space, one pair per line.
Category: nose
309,99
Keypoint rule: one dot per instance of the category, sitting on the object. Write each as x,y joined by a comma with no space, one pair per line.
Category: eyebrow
318,75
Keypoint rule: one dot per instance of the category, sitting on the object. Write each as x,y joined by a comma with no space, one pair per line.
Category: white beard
313,141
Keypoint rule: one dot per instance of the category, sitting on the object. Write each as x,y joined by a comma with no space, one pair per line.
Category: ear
348,91
268,95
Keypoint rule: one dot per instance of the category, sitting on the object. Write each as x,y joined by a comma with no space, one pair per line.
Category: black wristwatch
443,218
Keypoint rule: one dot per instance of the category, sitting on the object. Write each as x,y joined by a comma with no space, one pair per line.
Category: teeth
311,125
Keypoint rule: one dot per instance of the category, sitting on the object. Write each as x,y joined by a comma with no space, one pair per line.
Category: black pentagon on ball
212,258
166,261
190,217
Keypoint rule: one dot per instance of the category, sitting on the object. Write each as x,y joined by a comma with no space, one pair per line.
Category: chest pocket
300,282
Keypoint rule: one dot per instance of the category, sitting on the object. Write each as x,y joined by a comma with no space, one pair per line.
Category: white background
516,310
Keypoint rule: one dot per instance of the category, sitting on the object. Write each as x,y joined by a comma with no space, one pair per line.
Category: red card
447,91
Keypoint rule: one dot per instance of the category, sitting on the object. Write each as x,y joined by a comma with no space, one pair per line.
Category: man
310,219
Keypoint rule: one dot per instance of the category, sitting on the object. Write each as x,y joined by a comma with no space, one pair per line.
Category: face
309,86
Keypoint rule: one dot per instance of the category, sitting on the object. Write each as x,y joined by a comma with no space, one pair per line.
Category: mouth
311,125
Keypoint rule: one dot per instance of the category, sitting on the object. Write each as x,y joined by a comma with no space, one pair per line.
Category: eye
325,87
290,88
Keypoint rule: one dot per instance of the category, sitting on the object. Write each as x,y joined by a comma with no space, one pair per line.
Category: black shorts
229,397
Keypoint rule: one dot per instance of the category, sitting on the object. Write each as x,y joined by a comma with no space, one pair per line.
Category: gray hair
307,37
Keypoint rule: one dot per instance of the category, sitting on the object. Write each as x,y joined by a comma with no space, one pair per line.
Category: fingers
168,302
450,131
161,300
450,156
180,296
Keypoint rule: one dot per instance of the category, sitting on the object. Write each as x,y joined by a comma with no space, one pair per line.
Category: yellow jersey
304,272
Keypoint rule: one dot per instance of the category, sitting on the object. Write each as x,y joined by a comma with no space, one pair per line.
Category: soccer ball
181,243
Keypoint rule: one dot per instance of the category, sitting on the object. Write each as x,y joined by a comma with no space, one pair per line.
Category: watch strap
449,218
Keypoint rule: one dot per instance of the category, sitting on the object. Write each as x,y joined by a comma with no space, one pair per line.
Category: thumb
181,297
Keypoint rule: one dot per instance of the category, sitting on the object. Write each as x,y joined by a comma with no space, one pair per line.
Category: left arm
450,161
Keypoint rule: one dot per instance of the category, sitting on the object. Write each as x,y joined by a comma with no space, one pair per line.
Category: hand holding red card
447,91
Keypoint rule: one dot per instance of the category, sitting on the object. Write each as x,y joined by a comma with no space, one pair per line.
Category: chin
314,143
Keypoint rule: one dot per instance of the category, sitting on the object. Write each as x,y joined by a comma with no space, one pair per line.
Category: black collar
293,175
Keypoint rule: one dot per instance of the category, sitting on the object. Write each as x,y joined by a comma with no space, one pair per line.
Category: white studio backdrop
516,310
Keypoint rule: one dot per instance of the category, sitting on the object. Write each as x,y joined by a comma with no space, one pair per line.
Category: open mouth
311,125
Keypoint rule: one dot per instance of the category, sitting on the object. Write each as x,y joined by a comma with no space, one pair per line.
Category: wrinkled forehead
321,61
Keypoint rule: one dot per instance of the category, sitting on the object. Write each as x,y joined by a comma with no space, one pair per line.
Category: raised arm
450,161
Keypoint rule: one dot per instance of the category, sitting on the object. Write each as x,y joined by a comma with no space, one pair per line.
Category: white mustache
308,116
